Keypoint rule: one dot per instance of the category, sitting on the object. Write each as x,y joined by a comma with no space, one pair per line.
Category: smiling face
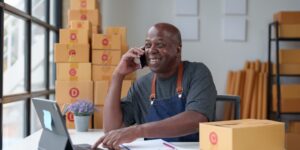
163,49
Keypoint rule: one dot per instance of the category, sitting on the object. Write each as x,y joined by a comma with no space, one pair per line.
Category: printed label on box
105,41
70,116
213,138
83,4
74,92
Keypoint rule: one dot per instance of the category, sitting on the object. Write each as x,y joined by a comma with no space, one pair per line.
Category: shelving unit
278,115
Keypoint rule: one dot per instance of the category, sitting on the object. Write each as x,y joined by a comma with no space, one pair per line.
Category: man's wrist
117,75
140,131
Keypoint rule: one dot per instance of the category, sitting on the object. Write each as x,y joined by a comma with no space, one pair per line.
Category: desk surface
90,137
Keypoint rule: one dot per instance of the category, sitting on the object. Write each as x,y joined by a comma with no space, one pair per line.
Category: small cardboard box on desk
248,134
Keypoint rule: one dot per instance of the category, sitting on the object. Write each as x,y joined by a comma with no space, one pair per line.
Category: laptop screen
54,134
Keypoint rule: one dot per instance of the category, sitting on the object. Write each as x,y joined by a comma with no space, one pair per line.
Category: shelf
287,71
287,75
286,39
285,116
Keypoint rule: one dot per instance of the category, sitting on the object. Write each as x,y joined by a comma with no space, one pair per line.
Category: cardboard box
291,56
101,89
96,29
289,30
249,134
294,127
292,141
123,32
102,72
98,118
124,49
73,71
73,36
70,124
102,41
288,91
287,17
290,98
91,15
70,91
83,4
82,24
125,87
71,53
106,57
131,76
288,69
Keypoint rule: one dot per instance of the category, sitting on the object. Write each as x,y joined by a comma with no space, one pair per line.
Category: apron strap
179,88
153,85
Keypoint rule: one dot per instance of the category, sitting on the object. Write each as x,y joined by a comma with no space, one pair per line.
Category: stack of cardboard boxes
82,73
289,62
106,54
72,55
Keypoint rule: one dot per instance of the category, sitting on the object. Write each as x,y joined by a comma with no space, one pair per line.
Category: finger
98,142
142,47
108,140
137,51
116,145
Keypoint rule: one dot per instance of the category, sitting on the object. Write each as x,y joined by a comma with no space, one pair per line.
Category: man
167,103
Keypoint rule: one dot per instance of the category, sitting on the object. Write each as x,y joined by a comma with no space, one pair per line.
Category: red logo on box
104,57
72,52
70,117
83,17
74,92
73,36
105,42
72,72
83,4
213,138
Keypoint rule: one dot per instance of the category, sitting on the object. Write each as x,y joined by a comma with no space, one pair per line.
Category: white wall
219,56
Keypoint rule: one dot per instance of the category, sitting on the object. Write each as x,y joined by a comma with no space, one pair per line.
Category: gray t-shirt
198,88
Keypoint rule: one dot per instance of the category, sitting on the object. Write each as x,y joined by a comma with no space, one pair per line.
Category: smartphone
142,61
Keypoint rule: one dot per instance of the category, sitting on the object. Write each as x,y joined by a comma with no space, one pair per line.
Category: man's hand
127,64
114,138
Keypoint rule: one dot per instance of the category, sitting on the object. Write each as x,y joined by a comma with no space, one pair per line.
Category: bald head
169,30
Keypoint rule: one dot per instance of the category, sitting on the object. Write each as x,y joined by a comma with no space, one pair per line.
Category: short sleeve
202,92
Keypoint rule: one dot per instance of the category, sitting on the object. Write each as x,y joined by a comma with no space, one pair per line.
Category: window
20,4
52,13
26,48
13,118
38,60
52,64
13,55
39,9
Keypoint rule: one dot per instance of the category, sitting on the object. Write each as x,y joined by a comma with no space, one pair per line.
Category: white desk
90,137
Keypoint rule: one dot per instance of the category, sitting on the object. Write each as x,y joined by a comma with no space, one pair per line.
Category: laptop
55,134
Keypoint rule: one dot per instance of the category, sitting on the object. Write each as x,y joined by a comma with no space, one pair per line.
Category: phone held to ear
141,61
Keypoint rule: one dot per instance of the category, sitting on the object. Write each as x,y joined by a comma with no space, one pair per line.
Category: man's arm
113,117
112,106
179,125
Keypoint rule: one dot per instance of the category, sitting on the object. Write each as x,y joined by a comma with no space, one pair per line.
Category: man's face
162,51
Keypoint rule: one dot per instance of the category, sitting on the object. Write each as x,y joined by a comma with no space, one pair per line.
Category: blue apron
165,108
